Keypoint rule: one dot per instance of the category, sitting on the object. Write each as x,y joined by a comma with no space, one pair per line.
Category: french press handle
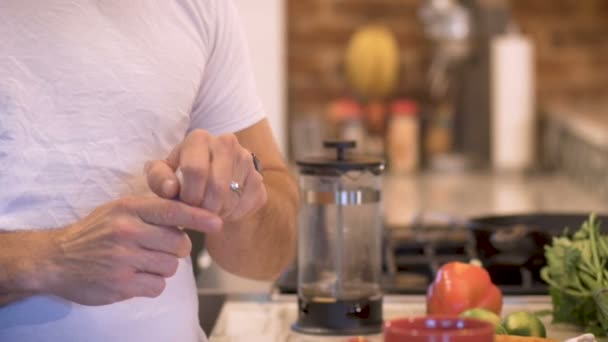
340,146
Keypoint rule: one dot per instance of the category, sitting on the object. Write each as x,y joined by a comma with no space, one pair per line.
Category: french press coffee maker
339,244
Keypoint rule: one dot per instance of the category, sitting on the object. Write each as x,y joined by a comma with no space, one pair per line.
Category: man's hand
257,239
209,164
123,249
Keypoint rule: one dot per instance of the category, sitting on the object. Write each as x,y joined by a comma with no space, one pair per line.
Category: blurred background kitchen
480,107
463,65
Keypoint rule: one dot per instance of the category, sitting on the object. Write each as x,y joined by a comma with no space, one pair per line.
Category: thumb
161,179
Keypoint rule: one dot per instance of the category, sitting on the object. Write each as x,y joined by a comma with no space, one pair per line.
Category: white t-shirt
89,91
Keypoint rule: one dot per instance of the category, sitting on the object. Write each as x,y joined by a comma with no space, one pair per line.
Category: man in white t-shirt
92,93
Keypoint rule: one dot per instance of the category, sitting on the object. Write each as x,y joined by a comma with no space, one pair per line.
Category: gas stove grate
421,250
413,256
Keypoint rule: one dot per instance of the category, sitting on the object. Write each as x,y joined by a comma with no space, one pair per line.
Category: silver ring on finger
236,188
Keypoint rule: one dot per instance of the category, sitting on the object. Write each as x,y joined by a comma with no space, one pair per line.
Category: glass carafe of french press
339,244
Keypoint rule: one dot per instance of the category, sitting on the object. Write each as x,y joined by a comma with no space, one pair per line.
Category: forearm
23,259
262,245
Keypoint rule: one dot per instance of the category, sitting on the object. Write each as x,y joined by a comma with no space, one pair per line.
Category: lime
485,315
523,323
500,330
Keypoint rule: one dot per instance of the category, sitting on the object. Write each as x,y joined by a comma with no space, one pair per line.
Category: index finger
164,212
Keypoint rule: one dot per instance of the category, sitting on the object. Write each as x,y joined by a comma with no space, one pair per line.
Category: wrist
37,266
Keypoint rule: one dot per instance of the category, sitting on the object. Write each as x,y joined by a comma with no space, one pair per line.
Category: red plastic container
438,329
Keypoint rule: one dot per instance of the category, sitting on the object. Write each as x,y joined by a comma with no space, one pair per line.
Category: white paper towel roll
513,103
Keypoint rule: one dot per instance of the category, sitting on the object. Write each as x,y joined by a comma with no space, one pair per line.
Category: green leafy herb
601,302
577,274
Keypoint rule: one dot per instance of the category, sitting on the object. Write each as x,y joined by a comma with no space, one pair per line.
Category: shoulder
209,11
210,17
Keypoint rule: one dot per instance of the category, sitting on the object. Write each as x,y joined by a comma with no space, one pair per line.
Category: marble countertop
438,196
270,321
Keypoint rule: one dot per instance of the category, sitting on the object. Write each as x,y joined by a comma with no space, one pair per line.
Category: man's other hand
123,249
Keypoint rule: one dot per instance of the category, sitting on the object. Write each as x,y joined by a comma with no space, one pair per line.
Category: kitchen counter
440,196
270,321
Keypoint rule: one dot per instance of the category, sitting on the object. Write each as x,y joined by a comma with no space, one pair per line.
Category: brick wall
571,38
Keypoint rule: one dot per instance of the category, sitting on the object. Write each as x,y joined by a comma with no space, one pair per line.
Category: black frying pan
525,233
519,240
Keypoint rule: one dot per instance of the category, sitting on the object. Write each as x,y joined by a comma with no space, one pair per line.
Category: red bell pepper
459,287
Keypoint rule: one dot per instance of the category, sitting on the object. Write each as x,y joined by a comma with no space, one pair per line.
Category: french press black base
342,317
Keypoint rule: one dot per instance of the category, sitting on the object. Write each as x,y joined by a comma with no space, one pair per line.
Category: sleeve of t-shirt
227,100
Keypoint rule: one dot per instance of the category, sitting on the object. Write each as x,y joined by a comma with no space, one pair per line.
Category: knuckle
247,158
170,212
127,292
172,266
123,228
199,134
118,296
212,205
164,266
229,141
222,189
156,287
114,294
257,180
146,262
197,170
120,257
113,280
185,246
263,197
121,222
123,284
124,204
